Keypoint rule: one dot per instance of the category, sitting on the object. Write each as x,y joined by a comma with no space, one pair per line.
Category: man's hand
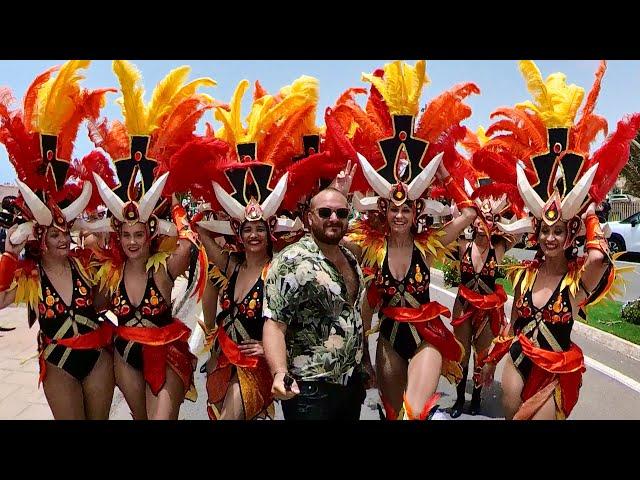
278,389
372,381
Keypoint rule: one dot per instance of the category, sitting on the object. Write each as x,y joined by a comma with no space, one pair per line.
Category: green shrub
451,271
631,312
506,261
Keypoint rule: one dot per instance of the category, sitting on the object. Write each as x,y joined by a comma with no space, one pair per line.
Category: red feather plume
82,171
304,175
445,110
612,156
194,166
23,147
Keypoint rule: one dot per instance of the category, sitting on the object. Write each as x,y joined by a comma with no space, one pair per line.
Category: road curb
606,339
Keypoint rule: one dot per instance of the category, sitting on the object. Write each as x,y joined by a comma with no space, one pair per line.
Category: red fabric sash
159,347
231,353
429,326
99,338
551,369
480,306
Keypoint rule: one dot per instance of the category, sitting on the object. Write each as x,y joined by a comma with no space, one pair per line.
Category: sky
499,81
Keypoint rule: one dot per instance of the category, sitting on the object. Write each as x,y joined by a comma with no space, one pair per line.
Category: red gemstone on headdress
312,151
49,155
137,156
403,136
246,158
557,147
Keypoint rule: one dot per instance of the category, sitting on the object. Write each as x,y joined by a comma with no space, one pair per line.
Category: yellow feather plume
555,102
401,86
191,87
254,120
308,87
481,136
265,111
260,121
535,84
131,102
418,78
165,90
141,119
232,131
56,98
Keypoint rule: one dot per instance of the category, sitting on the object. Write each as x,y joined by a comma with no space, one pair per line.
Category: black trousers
326,401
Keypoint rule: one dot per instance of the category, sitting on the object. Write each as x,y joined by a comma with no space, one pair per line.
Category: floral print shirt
304,290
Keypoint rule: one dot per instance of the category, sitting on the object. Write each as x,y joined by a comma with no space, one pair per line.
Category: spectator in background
602,211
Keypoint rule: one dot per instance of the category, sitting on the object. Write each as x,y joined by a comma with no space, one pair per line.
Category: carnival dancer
541,147
249,170
399,163
153,365
52,279
478,312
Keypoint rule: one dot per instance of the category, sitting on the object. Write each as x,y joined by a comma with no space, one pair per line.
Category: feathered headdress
145,142
249,167
399,156
492,198
541,147
39,140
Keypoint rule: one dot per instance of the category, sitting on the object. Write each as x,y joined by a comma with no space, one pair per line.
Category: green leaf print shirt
304,290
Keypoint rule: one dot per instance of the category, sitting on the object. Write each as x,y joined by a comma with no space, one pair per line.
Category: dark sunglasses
325,212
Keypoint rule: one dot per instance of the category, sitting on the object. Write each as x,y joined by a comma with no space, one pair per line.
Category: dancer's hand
209,335
251,348
591,210
345,178
10,247
442,172
486,377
